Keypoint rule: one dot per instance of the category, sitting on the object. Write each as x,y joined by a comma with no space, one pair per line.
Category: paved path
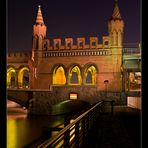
122,130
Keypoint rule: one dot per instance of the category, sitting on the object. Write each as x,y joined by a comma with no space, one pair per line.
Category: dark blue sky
69,18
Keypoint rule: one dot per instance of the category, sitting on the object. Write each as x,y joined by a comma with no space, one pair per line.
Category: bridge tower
38,37
115,31
38,34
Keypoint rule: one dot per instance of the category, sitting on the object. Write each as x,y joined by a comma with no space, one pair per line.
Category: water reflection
23,130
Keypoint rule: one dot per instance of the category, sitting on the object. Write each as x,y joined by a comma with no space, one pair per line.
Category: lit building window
59,76
90,75
75,76
11,77
23,78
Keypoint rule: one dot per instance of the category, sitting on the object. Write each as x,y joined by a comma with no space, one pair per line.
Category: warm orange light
59,76
73,96
90,75
20,76
10,73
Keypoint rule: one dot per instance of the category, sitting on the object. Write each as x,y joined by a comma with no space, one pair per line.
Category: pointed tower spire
116,11
39,18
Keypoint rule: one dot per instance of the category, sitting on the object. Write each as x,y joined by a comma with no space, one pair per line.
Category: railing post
64,135
83,129
67,133
66,139
77,134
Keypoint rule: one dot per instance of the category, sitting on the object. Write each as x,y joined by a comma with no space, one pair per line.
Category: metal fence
74,133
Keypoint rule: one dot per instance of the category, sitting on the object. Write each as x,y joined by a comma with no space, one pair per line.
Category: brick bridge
40,100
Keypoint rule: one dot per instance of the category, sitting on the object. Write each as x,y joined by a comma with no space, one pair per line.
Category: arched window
59,76
90,75
26,79
23,78
75,75
11,77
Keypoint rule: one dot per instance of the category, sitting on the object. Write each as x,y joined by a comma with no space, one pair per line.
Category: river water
22,130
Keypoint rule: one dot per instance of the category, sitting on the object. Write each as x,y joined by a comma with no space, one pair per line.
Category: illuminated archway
75,76
59,76
23,77
90,75
11,77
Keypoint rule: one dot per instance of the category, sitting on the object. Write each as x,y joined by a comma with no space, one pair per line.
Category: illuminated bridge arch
59,77
74,75
11,77
90,75
23,77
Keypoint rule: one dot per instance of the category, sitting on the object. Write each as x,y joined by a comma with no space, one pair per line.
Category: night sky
69,18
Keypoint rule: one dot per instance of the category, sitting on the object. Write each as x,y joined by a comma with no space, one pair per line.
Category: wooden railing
73,134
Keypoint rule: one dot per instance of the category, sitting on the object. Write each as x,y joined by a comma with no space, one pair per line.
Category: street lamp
106,82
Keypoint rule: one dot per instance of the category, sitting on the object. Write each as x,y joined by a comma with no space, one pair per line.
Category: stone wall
42,101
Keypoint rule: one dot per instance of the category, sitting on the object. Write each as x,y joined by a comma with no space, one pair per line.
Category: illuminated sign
73,96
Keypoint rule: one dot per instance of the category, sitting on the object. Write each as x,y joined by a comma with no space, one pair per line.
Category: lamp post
106,83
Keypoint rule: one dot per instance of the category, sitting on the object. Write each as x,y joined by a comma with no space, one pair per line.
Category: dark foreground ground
122,130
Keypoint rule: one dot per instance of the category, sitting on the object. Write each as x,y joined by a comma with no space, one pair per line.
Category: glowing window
23,78
75,76
11,77
59,76
90,75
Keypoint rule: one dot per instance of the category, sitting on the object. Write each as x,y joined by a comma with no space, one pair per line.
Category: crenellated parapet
80,44
18,56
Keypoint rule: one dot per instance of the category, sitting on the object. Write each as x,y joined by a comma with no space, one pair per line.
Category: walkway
122,130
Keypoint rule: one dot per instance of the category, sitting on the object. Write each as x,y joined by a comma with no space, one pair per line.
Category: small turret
38,37
115,27
39,18
39,31
116,12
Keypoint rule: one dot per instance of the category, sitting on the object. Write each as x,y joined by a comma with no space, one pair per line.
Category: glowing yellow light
90,75
11,133
20,76
75,75
59,76
9,75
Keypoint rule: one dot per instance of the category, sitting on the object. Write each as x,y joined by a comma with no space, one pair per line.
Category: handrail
73,125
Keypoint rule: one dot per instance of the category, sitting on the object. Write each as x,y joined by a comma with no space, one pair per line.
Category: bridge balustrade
131,51
74,134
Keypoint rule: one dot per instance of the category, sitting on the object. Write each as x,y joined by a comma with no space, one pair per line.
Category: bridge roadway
122,130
